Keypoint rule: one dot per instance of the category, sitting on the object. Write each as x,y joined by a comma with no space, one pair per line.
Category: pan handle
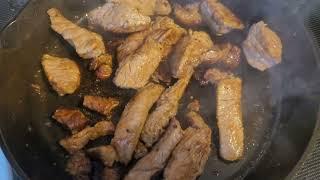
9,10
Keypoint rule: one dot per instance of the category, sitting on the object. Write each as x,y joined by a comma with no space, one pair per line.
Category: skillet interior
270,98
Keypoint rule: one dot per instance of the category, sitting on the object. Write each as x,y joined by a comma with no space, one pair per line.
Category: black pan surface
270,98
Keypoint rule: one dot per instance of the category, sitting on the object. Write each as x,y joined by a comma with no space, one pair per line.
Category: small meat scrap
229,116
150,7
74,119
63,74
79,166
219,18
118,17
87,44
167,107
188,14
227,56
102,105
263,47
193,117
188,51
137,68
102,66
132,120
110,174
78,141
141,151
107,154
156,160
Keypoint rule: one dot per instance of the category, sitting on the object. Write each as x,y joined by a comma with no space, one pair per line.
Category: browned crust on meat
229,115
74,119
102,105
79,166
78,141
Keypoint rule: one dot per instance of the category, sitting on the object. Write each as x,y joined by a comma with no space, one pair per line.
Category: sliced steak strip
229,116
132,120
78,141
156,160
101,105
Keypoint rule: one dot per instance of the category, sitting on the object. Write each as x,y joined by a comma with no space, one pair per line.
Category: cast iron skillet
279,116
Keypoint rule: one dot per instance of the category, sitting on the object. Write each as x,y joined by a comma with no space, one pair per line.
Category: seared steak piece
167,107
102,66
136,40
226,55
140,151
78,141
219,18
79,166
156,160
189,158
150,7
101,105
118,17
110,174
74,119
63,74
107,154
229,116
137,68
87,44
133,119
263,47
189,14
188,51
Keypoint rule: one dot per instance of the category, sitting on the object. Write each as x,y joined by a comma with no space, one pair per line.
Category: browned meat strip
219,18
79,166
74,119
188,159
136,40
100,104
263,47
188,51
225,55
118,17
189,14
107,154
167,107
141,150
136,69
150,7
156,160
229,116
194,106
110,174
102,66
63,74
78,141
87,44
132,120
